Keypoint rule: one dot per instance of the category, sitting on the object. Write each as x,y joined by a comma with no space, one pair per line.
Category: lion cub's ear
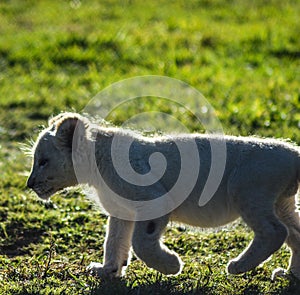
64,115
56,118
69,126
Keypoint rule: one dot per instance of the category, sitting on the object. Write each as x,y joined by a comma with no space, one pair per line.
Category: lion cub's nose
30,182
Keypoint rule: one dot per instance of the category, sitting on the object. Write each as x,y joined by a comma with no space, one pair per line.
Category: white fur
259,184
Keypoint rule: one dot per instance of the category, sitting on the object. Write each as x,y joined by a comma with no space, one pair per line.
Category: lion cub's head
52,168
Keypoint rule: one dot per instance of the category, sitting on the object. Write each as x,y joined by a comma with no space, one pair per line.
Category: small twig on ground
50,256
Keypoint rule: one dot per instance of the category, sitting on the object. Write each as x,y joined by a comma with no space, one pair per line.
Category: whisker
27,147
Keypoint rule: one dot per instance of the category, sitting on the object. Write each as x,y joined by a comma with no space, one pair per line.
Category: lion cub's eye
43,162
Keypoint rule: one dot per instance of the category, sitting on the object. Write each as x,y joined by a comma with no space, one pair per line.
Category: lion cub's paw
173,266
278,273
281,273
235,267
99,270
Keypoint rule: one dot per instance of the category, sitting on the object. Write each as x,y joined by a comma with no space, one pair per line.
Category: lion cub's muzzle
42,189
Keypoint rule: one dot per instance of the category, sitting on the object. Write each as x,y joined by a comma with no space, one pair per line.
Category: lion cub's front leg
116,248
148,247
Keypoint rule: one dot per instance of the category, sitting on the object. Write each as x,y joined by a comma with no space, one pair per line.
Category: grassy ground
56,55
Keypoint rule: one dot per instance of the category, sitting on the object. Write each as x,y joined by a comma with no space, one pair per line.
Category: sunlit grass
56,55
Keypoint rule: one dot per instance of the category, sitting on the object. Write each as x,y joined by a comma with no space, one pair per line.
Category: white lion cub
259,184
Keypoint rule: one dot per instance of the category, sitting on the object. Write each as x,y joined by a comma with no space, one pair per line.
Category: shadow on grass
18,238
165,287
174,287
285,53
293,288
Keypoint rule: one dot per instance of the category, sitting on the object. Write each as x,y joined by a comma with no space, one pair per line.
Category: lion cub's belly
217,212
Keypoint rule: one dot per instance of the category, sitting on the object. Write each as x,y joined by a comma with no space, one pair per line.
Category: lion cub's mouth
46,194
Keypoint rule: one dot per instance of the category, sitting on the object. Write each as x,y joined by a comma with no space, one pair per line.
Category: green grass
244,56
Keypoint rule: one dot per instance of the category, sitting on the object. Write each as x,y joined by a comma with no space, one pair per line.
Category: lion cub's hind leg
258,213
148,247
287,213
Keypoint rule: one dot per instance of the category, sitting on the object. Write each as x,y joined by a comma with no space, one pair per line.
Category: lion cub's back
250,163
